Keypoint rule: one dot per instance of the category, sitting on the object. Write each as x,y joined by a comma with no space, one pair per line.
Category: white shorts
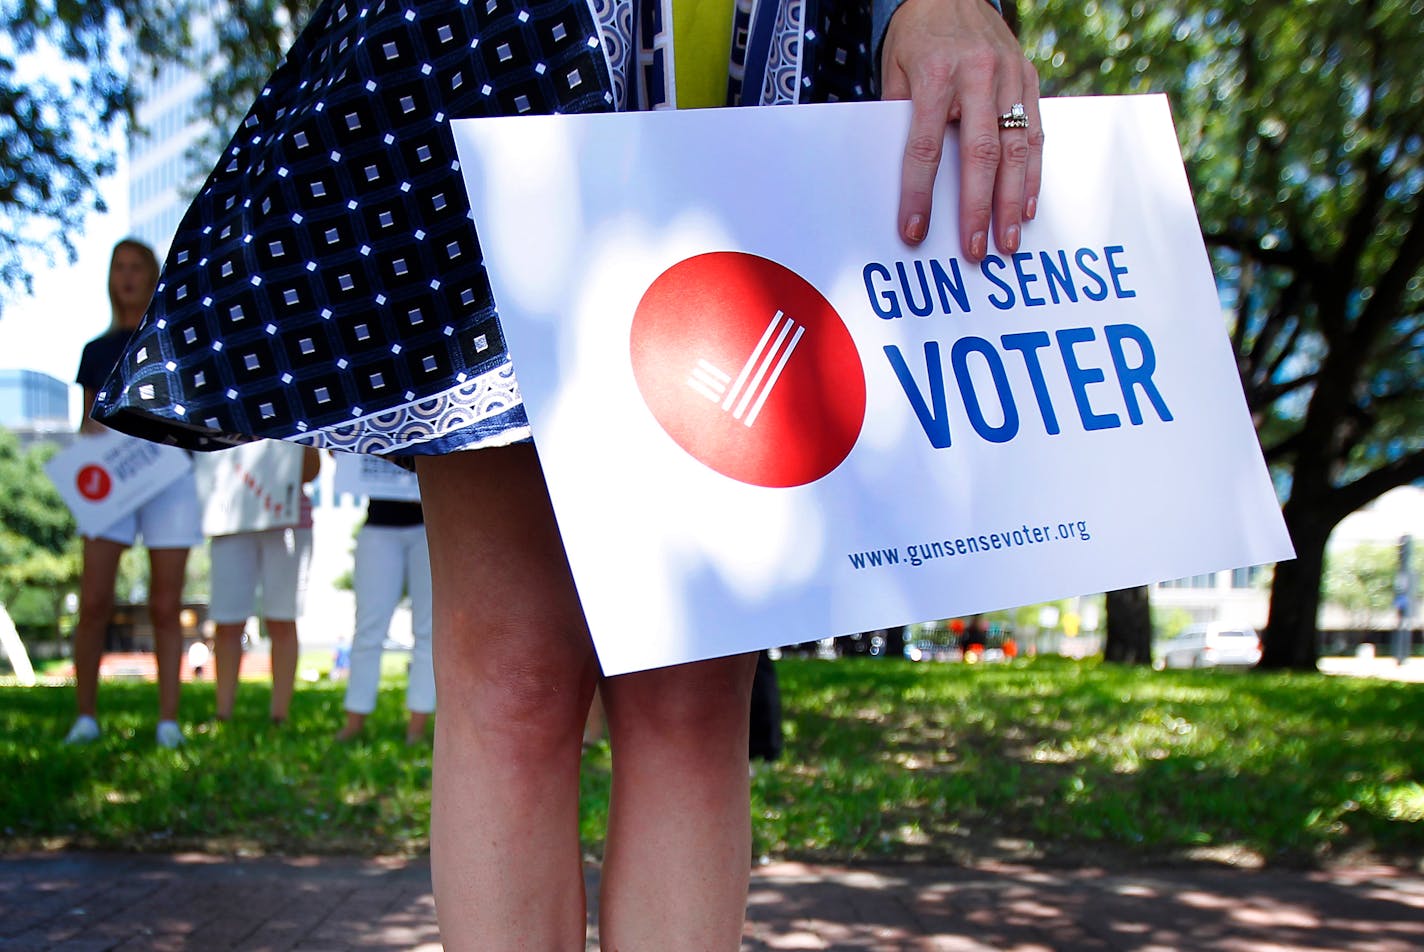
278,559
171,520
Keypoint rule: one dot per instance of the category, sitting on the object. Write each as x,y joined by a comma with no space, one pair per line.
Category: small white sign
104,477
361,474
764,419
250,487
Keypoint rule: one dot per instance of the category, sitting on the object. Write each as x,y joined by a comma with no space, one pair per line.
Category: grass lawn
1065,761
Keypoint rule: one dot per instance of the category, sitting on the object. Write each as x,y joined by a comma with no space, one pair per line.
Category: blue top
101,356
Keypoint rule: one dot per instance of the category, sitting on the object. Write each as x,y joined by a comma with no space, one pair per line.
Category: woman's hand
956,61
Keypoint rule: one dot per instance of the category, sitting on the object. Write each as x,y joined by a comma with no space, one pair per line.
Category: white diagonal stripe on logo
750,393
751,362
709,380
712,371
775,374
714,395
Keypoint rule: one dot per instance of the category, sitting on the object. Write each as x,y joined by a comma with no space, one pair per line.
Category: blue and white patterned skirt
327,287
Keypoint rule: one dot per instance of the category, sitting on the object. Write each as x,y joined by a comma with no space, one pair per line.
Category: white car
1211,646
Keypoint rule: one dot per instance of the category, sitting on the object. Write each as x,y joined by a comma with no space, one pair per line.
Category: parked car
925,650
1210,646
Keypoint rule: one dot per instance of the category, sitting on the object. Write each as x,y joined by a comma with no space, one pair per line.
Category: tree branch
1271,392
1249,245
1369,487
1406,340
1277,452
1389,289
1287,350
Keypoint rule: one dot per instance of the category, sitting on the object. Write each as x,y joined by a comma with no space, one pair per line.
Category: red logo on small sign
94,483
749,369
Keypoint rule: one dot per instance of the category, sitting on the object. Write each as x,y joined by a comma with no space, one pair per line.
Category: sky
46,331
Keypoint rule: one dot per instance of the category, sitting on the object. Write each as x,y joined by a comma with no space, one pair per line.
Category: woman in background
276,561
168,524
392,558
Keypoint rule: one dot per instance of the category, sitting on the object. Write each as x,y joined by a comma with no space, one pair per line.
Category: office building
35,407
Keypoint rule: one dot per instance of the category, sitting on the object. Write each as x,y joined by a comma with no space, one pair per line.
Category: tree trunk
1290,639
1129,636
895,643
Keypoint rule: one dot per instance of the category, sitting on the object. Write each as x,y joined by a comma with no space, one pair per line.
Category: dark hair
149,258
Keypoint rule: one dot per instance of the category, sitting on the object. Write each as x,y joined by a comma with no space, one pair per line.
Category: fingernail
1030,208
978,245
915,228
1011,239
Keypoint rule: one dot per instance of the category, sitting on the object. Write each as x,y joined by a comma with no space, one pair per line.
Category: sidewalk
1412,670
84,901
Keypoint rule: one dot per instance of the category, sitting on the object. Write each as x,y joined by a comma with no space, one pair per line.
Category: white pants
276,560
389,559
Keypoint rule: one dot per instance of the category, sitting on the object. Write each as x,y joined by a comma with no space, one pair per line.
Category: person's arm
311,463
87,424
957,61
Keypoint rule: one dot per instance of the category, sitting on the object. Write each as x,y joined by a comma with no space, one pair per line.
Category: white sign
15,651
104,477
764,419
363,475
250,487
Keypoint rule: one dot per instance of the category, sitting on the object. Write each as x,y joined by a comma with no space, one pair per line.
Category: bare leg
165,605
415,729
284,666
355,724
595,726
514,672
96,606
678,857
227,657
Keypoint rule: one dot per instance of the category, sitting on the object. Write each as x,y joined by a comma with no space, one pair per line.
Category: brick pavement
87,901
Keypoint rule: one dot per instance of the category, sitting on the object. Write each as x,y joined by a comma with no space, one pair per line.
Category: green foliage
55,115
1301,127
234,787
39,550
1169,622
1361,581
131,581
1074,760
250,40
883,759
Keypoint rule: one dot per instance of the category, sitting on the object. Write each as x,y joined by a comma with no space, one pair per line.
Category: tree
66,83
39,550
1360,580
1129,626
1301,127
250,38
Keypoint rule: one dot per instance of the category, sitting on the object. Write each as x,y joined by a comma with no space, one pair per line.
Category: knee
229,633
531,698
165,604
97,606
692,698
282,630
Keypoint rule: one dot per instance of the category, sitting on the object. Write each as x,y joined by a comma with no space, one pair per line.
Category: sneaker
169,734
85,730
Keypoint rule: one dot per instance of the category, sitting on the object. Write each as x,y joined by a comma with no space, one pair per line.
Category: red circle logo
749,369
93,483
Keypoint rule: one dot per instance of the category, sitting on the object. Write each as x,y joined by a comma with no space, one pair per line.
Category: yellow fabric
702,46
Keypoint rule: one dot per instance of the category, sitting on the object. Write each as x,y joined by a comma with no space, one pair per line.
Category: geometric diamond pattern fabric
326,285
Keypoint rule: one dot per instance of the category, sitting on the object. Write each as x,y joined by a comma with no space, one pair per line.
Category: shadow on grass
1064,761
1075,762
243,786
